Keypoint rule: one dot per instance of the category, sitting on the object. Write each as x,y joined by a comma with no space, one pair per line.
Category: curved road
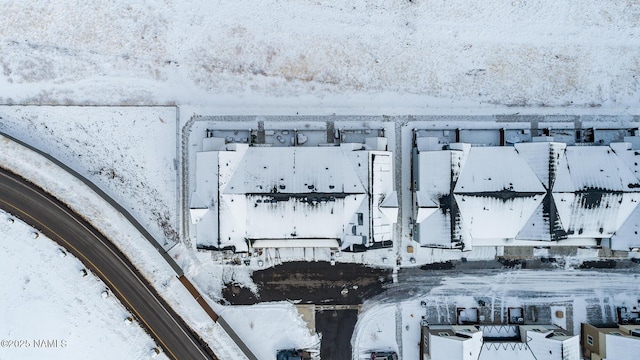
55,220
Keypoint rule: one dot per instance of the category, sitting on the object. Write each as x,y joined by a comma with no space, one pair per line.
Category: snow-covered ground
375,331
128,152
68,124
384,53
46,299
269,327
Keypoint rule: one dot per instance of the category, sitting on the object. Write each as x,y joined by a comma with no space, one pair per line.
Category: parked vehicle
387,355
293,354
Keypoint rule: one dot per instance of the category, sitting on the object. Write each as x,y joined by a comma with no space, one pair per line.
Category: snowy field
44,296
386,54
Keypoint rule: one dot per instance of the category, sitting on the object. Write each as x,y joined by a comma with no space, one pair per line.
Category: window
443,334
615,333
590,340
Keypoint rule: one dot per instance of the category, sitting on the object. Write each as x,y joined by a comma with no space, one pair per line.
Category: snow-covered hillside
383,52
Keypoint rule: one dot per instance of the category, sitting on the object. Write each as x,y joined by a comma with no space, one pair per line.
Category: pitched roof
628,235
622,347
594,167
595,214
492,217
456,347
437,229
496,169
629,156
435,162
344,194
268,219
537,227
543,158
532,191
280,193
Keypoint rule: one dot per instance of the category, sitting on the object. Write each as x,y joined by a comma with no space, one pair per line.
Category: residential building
619,342
498,342
339,197
541,193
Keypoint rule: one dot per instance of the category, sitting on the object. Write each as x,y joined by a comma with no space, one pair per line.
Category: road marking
111,285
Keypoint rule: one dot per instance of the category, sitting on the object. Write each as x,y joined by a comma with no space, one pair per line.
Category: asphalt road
312,283
43,212
336,327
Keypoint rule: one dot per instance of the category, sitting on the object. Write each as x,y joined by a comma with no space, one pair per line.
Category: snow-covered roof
534,342
629,156
545,346
596,214
197,214
316,196
496,169
594,167
537,227
541,191
626,237
621,347
437,226
506,351
298,170
491,217
435,174
440,163
269,217
455,347
389,206
543,158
